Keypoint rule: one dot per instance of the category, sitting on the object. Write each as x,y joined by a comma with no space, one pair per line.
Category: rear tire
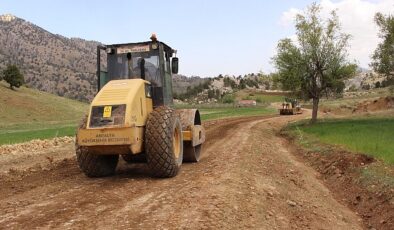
94,165
164,142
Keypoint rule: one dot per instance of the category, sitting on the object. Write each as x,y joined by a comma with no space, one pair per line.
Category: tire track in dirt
246,179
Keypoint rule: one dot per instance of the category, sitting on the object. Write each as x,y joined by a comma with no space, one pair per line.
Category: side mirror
174,65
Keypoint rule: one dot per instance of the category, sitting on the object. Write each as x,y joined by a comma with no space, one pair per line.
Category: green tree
217,94
13,76
316,64
228,99
211,93
383,57
242,84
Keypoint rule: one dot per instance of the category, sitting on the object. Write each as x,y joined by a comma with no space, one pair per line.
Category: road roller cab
132,113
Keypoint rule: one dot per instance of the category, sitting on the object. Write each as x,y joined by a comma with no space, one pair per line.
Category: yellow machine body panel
129,92
118,115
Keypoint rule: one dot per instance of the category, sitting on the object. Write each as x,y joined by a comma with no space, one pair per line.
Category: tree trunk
315,108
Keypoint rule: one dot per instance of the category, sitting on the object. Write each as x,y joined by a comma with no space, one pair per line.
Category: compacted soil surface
248,178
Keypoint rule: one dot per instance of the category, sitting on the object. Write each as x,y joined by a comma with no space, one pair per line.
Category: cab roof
166,47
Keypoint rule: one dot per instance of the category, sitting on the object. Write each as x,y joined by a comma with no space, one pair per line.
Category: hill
56,64
180,83
25,111
366,79
208,90
50,62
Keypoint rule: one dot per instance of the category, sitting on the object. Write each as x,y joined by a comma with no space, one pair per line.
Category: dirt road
247,178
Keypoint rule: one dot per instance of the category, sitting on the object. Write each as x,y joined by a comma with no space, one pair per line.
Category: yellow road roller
132,114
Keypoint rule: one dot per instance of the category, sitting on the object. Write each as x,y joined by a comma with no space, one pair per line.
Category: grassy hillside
27,114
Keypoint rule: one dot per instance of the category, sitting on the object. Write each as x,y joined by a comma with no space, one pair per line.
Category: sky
213,37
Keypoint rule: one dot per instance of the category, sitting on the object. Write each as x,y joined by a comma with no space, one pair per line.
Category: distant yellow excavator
290,107
132,114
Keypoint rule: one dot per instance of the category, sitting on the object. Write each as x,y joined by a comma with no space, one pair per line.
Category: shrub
13,76
259,100
228,99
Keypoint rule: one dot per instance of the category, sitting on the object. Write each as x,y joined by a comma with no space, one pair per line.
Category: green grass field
372,136
217,113
11,136
27,114
260,97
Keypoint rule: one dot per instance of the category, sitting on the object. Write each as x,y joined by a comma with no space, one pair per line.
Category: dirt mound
383,103
342,109
34,145
343,173
19,160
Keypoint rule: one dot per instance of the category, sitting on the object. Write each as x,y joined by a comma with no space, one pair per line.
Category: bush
217,94
267,85
13,76
211,93
242,84
228,82
228,99
387,82
259,100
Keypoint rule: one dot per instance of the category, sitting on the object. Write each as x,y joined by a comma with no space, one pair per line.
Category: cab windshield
144,65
